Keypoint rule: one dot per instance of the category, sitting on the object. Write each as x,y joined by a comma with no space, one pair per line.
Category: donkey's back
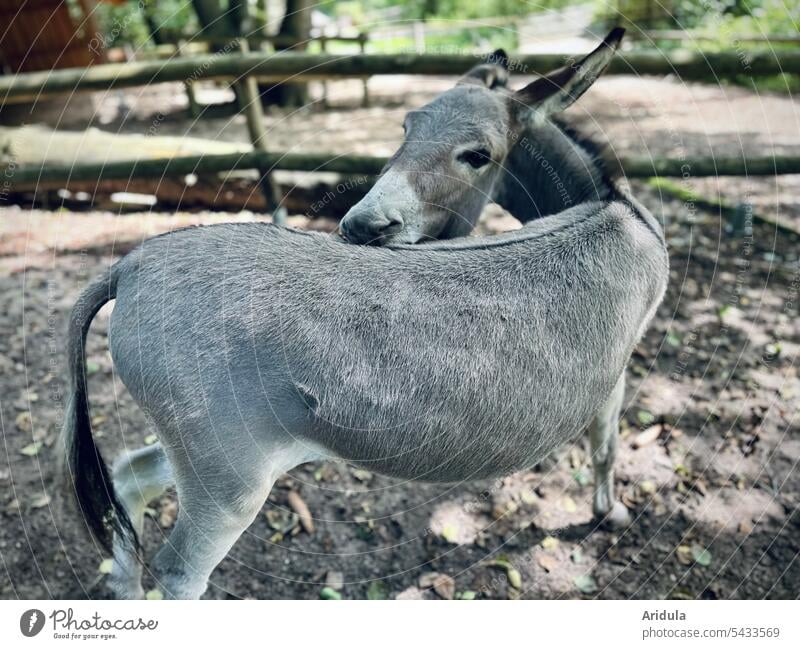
448,361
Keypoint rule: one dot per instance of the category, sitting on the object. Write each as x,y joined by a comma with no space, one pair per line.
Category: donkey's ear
556,91
499,57
492,73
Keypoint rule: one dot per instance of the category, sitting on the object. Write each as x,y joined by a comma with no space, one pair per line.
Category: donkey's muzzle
364,226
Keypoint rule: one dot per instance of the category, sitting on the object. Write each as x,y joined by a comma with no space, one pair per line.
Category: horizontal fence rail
634,167
688,65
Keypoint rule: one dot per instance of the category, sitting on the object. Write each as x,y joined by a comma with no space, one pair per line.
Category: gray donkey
253,348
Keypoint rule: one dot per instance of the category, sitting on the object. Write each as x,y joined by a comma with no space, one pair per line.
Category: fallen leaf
549,543
301,509
32,449
701,555
683,553
151,439
682,470
645,418
105,566
154,594
647,436
467,595
514,578
335,579
328,593
444,586
281,520
42,501
586,584
378,590
772,351
23,422
647,487
581,477
362,475
512,574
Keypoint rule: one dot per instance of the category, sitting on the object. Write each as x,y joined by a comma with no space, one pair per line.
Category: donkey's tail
84,466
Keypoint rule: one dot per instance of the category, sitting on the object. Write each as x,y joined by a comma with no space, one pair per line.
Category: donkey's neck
549,169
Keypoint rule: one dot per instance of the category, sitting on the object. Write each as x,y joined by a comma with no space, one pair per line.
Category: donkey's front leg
139,477
603,436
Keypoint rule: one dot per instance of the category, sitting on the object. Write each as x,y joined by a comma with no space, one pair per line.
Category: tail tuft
85,468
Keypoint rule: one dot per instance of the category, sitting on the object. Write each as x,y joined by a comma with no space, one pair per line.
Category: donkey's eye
476,158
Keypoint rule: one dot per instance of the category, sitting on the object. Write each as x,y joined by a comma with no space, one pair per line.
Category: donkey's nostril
389,224
393,217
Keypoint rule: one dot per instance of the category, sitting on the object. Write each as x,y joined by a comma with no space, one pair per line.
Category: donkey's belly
454,453
476,463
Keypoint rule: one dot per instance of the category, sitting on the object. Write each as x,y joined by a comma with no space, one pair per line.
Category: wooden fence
281,67
245,67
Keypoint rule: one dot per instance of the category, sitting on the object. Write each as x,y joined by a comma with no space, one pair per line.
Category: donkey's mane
599,148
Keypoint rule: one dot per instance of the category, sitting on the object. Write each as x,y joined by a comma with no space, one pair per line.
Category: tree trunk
216,21
294,34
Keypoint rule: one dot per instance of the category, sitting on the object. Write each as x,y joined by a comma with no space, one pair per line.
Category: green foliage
433,9
126,24
173,15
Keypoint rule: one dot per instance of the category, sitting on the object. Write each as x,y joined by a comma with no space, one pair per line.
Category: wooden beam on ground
287,66
732,213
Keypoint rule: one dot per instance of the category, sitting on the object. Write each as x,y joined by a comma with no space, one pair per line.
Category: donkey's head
437,183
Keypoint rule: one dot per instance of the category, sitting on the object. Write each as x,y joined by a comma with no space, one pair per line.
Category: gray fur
401,360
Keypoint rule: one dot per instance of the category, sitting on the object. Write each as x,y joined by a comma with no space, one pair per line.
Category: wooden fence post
362,44
323,45
247,90
188,85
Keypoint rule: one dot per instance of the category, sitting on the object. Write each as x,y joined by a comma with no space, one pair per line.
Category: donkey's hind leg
603,437
219,496
139,477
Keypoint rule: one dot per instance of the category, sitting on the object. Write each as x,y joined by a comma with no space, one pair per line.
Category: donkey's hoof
617,518
124,589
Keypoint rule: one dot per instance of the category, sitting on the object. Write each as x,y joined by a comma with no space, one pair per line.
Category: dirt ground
708,459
